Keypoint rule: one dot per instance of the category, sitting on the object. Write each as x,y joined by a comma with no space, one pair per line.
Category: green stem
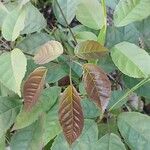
130,91
71,32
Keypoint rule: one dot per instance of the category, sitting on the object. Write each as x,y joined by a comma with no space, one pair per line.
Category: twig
66,22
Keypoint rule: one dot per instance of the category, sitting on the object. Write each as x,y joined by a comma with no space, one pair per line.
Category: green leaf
103,127
134,127
22,2
87,138
112,4
12,69
90,110
76,69
46,101
128,11
116,35
29,138
85,35
13,24
31,43
90,50
115,96
143,28
131,60
109,142
9,108
141,91
34,21
51,127
3,13
90,14
57,69
68,8
2,143
106,64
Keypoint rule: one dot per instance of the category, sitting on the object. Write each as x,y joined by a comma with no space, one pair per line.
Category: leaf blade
13,70
33,87
96,79
134,124
70,114
9,108
48,52
131,60
89,13
13,24
128,11
90,50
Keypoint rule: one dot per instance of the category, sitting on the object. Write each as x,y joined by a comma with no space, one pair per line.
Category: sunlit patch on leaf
48,52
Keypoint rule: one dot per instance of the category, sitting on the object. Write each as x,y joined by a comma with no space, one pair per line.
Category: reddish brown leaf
33,87
48,52
70,114
89,50
97,85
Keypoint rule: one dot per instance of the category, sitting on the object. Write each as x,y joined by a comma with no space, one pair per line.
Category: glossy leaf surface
70,114
97,85
48,52
90,50
33,87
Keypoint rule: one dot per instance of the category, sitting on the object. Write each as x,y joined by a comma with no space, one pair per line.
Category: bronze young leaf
90,50
97,85
70,114
33,87
48,52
